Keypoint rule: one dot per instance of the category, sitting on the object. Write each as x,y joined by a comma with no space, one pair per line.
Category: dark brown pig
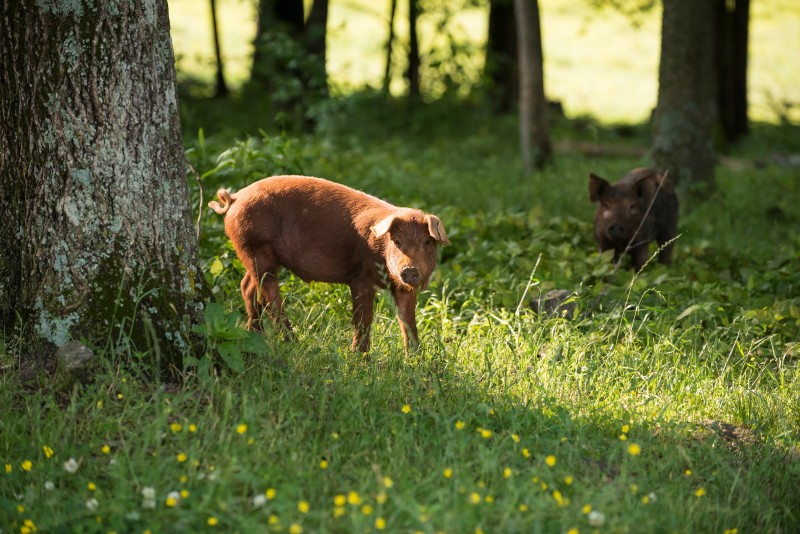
326,232
640,208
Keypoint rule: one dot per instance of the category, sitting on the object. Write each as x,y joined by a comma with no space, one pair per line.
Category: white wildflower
49,486
92,504
652,497
71,466
259,500
596,519
148,492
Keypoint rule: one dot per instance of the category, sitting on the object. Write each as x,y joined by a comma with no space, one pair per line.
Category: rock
74,356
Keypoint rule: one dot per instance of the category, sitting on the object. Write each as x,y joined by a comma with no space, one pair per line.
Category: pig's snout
411,276
616,231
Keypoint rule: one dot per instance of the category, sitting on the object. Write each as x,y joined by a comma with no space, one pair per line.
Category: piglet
640,208
327,232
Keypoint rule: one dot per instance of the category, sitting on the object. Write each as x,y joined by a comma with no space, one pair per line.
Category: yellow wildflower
634,449
241,428
550,460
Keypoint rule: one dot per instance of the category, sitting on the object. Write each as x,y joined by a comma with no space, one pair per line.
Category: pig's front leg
406,302
363,296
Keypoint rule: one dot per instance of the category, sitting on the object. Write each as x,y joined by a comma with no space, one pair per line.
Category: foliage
669,403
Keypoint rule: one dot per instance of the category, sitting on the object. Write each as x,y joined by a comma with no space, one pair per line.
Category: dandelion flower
92,504
522,507
71,466
91,486
303,506
515,438
339,500
9,468
596,519
486,433
406,408
26,465
573,530
459,425
295,529
273,519
448,472
507,472
241,428
323,464
48,452
366,509
526,453
184,493
586,509
634,449
354,498
105,449
558,497
388,482
550,460
176,427
474,497
212,521
181,457
646,499
623,437
338,511
173,498
192,428
700,492
568,480
381,498
625,429
380,523
688,472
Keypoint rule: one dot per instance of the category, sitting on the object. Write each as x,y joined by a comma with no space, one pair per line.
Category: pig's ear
436,229
597,187
382,226
646,185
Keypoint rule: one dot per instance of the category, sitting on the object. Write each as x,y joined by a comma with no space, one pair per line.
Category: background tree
221,89
533,128
500,69
97,242
731,43
387,72
414,61
289,57
686,111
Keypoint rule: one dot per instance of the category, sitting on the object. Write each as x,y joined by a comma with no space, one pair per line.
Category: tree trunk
275,17
732,17
686,111
316,36
387,73
97,241
533,128
221,87
413,50
500,70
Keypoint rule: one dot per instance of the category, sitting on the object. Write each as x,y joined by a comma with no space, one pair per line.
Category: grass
669,404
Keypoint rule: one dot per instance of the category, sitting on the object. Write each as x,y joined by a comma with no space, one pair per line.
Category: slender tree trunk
732,18
500,70
97,242
387,73
316,36
413,50
686,110
533,128
221,86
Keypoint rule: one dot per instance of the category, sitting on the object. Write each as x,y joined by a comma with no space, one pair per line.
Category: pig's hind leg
261,291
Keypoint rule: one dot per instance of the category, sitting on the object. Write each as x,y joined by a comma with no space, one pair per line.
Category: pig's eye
428,242
397,242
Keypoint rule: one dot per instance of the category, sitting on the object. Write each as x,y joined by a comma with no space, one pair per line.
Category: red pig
327,232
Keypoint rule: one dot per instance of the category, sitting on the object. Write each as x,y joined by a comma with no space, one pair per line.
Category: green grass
457,437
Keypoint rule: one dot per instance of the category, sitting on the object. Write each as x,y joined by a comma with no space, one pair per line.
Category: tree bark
413,50
533,127
686,111
500,69
732,18
97,241
221,87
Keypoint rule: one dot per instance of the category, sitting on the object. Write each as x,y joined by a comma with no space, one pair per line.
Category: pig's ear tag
436,229
382,226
